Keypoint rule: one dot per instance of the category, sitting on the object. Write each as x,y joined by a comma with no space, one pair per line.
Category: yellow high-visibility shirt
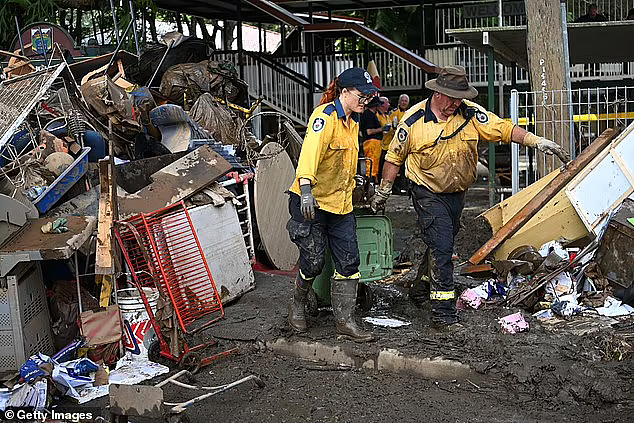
437,162
397,115
329,157
387,136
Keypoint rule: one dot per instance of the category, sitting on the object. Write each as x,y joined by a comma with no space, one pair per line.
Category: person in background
371,132
320,202
399,111
438,139
593,15
400,185
385,118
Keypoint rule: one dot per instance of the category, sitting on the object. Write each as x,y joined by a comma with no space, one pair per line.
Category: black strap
470,113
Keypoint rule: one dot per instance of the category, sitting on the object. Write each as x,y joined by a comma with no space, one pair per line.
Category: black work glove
309,204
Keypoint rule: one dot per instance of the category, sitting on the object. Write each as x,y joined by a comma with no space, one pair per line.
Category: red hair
331,93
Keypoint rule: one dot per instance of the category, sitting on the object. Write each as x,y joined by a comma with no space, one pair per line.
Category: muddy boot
296,310
419,291
343,295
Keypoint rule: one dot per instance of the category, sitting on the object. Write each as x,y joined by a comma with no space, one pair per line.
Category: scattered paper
386,322
544,314
513,323
614,308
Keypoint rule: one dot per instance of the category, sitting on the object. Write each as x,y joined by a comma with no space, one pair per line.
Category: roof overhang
250,12
592,42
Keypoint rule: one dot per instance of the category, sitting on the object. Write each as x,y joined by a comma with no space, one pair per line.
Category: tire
190,361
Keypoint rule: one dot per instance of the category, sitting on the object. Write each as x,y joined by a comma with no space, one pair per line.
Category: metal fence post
491,95
515,147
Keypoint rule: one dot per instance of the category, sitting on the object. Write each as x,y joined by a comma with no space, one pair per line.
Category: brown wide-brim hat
452,81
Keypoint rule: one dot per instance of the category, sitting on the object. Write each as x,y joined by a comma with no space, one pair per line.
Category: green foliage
27,11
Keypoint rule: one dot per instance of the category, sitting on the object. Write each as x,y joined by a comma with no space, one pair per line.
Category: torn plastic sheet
566,306
514,323
554,246
614,308
127,372
386,322
62,375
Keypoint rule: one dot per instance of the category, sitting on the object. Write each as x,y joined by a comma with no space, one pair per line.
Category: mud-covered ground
578,371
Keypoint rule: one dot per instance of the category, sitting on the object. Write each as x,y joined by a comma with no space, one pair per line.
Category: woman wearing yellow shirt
320,201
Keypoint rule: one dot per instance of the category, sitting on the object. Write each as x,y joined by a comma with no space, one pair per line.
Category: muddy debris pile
562,248
129,181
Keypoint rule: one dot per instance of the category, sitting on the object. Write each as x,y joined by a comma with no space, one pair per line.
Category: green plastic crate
374,234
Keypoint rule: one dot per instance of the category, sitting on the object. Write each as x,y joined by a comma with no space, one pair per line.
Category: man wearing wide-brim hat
437,139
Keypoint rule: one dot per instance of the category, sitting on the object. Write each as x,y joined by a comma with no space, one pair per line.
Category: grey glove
308,204
549,147
378,200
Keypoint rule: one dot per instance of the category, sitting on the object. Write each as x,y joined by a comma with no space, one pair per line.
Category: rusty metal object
542,198
616,253
478,270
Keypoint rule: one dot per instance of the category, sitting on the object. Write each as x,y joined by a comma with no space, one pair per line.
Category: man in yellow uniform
320,201
399,111
396,115
438,140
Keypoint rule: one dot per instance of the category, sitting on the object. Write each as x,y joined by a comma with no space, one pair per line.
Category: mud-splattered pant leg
439,220
342,239
312,237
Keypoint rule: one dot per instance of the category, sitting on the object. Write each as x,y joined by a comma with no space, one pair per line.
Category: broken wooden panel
556,220
224,249
177,181
541,198
605,182
29,243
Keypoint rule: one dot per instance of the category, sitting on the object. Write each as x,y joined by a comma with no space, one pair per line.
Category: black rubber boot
419,291
296,310
343,296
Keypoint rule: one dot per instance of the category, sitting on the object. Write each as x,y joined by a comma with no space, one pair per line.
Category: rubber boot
343,296
419,291
296,312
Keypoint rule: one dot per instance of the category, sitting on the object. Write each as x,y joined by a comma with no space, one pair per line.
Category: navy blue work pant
439,220
337,231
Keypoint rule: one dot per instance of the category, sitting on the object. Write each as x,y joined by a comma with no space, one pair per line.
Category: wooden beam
544,196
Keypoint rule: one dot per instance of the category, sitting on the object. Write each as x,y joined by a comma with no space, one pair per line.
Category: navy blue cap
359,79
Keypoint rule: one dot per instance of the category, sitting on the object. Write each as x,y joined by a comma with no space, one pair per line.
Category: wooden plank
273,176
557,217
542,198
501,213
103,257
177,181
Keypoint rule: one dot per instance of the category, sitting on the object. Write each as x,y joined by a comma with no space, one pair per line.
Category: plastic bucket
136,321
